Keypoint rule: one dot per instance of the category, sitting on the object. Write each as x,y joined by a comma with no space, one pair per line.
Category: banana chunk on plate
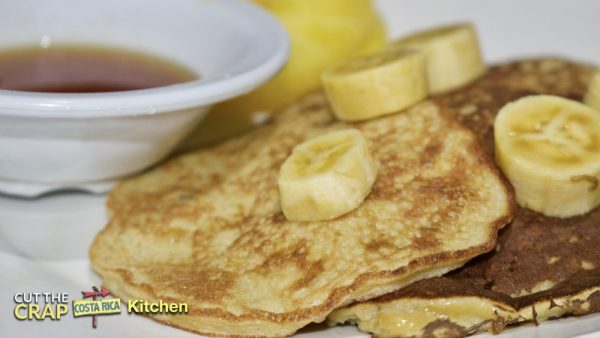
326,176
452,53
549,148
592,98
372,85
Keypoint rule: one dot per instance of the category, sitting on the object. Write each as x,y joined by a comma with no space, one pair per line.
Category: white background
43,242
508,29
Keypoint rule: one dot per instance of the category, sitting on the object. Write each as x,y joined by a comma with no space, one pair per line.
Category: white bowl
68,139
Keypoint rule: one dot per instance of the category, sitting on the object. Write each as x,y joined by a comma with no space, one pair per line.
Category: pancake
542,267
206,228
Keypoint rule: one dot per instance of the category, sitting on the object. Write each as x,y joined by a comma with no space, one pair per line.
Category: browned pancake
476,105
535,248
543,267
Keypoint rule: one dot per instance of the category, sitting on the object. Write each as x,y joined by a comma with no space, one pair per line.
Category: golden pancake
206,228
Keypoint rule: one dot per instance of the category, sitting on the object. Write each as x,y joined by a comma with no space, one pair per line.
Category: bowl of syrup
97,90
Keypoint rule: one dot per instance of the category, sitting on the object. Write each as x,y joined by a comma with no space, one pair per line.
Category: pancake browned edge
542,268
206,228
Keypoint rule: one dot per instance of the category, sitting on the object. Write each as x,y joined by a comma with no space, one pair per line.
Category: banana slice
452,53
549,148
326,177
373,85
592,98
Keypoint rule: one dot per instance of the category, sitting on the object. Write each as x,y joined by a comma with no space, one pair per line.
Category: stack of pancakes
206,227
542,267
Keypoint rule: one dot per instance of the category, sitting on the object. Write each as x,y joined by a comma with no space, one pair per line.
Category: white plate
44,242
43,248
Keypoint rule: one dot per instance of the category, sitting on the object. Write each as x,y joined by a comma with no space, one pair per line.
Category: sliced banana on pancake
592,98
549,148
420,317
373,85
327,176
453,55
